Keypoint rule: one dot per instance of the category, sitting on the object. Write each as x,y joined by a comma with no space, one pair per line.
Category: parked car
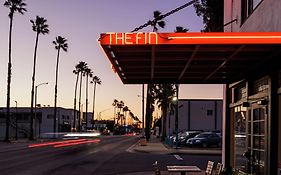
205,139
187,135
184,136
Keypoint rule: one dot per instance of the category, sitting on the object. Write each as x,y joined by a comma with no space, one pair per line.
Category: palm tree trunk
164,131
56,91
31,136
9,79
148,112
80,91
74,111
87,102
94,97
114,116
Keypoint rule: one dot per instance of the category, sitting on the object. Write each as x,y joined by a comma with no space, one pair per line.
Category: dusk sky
81,23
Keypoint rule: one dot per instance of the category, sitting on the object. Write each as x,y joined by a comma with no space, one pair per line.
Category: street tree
212,14
79,69
60,43
40,26
96,80
180,29
164,94
20,7
88,73
157,21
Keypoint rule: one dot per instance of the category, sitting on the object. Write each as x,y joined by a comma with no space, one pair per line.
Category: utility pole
16,119
177,117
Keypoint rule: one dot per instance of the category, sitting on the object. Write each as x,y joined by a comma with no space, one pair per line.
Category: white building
43,122
196,114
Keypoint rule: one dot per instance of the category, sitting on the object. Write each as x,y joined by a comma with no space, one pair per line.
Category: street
109,156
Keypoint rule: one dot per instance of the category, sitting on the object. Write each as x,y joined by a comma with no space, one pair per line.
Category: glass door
256,137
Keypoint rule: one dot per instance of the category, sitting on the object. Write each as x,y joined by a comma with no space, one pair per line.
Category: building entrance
256,138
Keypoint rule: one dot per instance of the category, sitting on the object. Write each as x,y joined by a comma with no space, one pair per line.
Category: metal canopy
191,58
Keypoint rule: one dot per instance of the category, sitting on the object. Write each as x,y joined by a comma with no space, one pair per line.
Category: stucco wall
195,111
266,17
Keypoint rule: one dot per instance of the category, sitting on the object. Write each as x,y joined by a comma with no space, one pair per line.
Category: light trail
76,143
55,143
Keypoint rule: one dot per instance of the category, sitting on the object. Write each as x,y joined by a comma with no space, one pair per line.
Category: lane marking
178,157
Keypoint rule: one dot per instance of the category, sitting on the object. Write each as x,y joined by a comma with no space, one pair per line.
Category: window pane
256,3
258,128
258,142
256,114
240,140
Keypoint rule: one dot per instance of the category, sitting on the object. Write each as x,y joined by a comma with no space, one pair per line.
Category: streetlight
99,115
16,119
142,108
176,99
36,106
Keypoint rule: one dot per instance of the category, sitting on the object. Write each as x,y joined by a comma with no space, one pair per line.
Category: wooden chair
218,169
156,168
209,168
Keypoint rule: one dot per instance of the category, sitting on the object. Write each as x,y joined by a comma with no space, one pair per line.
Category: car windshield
202,135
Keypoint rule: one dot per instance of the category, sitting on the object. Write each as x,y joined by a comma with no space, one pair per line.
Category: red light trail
55,143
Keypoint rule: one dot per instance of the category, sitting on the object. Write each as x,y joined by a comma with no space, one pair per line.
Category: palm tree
82,74
88,73
14,6
120,106
157,21
180,29
125,110
40,27
96,80
60,43
132,119
79,69
164,94
115,102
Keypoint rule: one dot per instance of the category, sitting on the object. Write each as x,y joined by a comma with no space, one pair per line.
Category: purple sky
81,23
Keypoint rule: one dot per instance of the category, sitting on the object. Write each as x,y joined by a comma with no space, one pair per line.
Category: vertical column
216,115
188,115
273,125
226,120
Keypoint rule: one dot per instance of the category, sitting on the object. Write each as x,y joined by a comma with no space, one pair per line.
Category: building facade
253,105
43,121
196,114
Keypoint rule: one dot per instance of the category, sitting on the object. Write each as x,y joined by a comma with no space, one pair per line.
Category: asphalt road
107,157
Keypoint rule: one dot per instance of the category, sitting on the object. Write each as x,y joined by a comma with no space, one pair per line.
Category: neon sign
133,38
153,38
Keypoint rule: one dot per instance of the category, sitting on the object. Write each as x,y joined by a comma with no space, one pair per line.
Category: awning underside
191,63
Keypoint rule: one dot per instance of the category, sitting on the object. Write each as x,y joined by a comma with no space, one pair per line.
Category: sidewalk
155,146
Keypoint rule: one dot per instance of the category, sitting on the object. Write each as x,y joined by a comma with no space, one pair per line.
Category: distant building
43,122
196,114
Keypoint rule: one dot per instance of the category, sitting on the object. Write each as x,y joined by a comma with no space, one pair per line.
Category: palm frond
180,29
161,24
156,14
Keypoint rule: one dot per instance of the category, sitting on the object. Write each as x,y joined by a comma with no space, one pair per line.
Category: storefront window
256,139
240,137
